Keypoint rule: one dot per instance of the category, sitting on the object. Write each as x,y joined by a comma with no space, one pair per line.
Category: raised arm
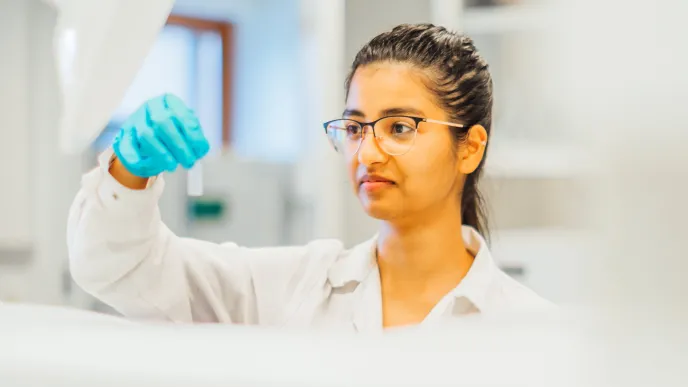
122,253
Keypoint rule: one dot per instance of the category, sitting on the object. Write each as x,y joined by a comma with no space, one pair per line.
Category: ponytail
473,212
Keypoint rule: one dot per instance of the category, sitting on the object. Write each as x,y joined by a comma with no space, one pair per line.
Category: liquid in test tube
194,180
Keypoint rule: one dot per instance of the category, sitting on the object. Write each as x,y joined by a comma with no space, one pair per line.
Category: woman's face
428,176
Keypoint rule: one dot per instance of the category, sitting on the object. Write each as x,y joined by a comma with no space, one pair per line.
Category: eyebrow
401,111
387,112
352,113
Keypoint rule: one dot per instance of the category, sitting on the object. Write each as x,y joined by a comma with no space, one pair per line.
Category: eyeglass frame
417,120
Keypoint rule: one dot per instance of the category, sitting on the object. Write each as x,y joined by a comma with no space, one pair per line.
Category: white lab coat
122,253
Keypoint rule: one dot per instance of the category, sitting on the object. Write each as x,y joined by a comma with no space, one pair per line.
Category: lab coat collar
479,283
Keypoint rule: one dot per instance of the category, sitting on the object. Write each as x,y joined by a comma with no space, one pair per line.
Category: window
192,59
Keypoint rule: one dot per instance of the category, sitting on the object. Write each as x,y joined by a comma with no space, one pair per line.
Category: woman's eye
353,129
401,128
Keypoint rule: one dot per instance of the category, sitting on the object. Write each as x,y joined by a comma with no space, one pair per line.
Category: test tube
194,180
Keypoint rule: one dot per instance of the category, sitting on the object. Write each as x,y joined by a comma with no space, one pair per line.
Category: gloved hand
162,134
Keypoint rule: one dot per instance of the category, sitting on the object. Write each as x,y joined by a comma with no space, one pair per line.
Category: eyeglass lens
394,135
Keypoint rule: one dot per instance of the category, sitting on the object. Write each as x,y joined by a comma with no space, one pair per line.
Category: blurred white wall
628,92
15,227
15,206
52,177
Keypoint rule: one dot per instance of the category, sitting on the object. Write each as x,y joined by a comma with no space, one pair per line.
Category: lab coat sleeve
122,253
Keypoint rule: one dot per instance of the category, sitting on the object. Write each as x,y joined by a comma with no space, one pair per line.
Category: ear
472,150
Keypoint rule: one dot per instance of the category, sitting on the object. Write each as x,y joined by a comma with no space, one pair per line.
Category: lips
374,179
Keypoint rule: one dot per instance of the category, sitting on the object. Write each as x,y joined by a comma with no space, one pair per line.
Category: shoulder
514,294
490,287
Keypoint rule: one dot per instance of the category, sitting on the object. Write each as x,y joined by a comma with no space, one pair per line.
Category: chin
378,208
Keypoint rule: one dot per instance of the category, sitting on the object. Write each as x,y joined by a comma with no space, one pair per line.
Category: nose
369,152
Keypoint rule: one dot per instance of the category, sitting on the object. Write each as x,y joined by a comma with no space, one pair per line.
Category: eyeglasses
395,134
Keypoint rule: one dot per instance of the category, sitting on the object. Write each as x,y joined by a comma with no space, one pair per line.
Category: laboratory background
264,74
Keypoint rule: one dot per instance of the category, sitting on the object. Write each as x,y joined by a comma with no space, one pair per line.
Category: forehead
382,86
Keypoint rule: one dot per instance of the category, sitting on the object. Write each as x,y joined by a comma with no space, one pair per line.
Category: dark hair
457,75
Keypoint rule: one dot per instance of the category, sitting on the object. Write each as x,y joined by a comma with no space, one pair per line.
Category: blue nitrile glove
162,134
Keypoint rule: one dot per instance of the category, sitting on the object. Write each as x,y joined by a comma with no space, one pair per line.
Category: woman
414,135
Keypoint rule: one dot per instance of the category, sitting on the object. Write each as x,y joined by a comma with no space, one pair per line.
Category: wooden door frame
226,31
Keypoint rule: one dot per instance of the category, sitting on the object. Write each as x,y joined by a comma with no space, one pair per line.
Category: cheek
430,173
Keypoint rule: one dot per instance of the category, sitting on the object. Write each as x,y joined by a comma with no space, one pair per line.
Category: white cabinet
15,202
